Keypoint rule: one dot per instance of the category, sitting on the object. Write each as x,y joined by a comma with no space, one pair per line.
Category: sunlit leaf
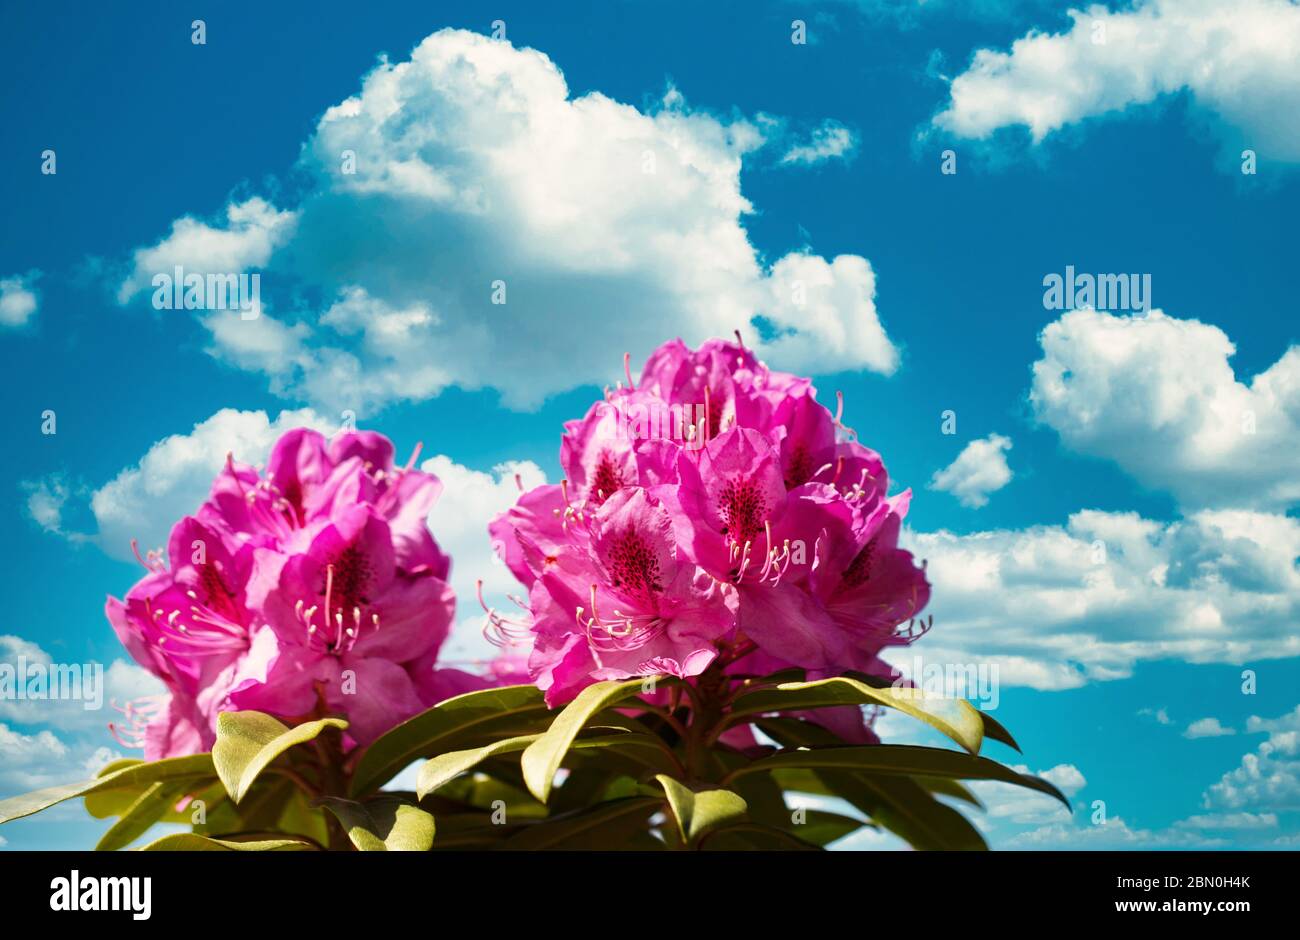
384,824
542,758
699,811
470,719
605,826
248,741
137,775
900,759
954,717
190,842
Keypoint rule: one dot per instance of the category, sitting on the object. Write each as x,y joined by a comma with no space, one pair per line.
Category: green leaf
821,828
801,780
458,722
606,826
248,741
486,793
437,771
995,730
698,812
750,837
190,842
542,758
137,775
384,824
907,809
148,808
956,718
900,759
952,788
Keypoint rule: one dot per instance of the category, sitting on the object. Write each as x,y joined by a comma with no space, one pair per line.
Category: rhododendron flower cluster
312,588
713,516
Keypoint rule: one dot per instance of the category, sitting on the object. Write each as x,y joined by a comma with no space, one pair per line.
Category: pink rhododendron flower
713,511
313,587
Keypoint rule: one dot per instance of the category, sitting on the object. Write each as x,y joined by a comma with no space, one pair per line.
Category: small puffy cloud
262,344
1114,833
252,230
18,299
1157,395
980,469
830,141
1229,821
1207,728
1288,722
1268,778
503,233
173,478
45,500
1058,606
1159,715
1235,61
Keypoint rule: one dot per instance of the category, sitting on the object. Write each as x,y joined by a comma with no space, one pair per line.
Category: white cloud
1114,833
1207,728
1268,778
830,141
123,681
253,229
1006,805
263,344
18,299
1057,606
45,501
1160,715
173,478
980,469
610,229
1156,395
459,522
1236,61
1288,722
1230,821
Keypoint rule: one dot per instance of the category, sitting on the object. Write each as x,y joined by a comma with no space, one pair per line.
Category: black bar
507,890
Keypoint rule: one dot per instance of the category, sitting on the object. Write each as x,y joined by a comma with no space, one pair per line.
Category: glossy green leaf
190,842
542,758
469,719
907,809
147,808
901,759
137,775
439,770
248,741
699,811
605,826
751,837
483,792
801,780
947,787
821,828
384,824
994,729
956,718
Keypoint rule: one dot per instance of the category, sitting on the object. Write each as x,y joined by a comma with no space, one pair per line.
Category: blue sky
1123,427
